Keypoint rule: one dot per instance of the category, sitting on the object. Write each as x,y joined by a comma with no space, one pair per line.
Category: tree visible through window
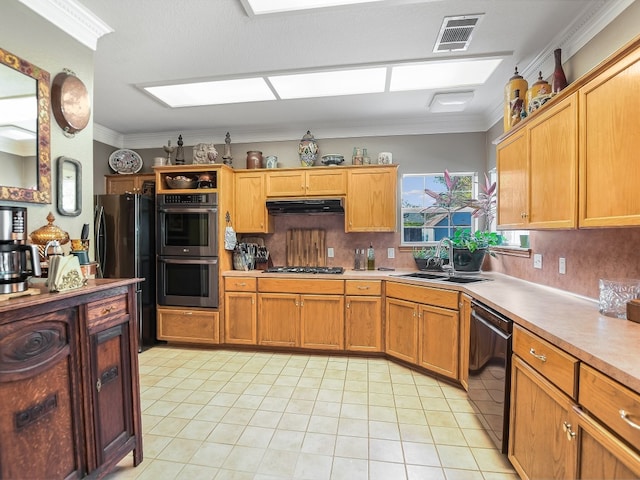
427,219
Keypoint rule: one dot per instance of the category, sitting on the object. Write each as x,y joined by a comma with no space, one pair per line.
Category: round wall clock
70,102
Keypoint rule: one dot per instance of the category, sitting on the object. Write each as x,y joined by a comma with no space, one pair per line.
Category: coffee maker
18,261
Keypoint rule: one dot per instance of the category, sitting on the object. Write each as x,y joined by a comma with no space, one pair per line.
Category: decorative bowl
332,159
181,182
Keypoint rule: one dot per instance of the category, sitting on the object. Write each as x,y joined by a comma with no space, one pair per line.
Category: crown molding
73,18
571,40
106,135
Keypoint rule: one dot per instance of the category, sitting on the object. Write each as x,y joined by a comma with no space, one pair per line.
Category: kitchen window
425,219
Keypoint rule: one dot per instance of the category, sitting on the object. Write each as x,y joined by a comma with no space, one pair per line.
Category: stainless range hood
305,206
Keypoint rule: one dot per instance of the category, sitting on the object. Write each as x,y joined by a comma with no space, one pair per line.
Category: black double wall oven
188,250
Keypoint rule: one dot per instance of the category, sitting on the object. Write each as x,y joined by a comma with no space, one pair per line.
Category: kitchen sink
443,277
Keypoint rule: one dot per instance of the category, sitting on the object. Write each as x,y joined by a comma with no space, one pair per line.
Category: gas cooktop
332,270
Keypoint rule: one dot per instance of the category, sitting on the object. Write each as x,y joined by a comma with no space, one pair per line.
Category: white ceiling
175,40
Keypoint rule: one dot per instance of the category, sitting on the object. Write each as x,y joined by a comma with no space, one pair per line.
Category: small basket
181,182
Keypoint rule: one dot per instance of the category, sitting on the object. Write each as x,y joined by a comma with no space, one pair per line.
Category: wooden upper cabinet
553,166
538,171
371,204
303,182
609,126
119,184
250,203
512,180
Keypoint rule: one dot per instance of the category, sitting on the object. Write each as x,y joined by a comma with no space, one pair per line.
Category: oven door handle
188,210
189,261
493,328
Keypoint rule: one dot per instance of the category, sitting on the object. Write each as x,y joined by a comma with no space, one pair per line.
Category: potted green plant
428,258
469,249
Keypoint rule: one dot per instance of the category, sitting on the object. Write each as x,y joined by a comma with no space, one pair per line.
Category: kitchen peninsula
69,382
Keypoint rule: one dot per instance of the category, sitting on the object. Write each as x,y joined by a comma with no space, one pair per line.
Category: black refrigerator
125,246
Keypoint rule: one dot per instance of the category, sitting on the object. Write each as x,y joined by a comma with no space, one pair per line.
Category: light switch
391,252
330,252
537,260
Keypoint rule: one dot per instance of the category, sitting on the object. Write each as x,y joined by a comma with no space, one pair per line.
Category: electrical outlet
537,260
391,252
562,265
330,252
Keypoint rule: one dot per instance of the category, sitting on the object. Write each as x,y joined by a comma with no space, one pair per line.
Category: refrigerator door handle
101,239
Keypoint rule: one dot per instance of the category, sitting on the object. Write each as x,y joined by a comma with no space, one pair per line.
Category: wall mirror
25,159
69,191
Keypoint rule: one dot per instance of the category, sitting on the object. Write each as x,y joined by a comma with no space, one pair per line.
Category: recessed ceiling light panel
261,7
445,102
334,83
213,93
443,74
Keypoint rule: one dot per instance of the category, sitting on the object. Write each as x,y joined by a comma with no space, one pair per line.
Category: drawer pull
541,357
243,284
567,428
625,416
107,310
361,287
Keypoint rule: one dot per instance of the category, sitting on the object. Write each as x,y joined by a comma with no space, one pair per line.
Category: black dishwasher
490,370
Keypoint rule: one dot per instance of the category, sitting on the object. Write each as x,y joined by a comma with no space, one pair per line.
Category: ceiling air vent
455,33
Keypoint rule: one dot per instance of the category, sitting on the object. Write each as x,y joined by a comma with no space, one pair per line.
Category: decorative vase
514,93
308,150
254,159
538,94
558,81
467,261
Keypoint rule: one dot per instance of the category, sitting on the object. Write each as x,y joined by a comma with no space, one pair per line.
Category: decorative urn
308,150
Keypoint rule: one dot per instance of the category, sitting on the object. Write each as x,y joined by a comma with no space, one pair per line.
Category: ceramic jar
308,150
514,100
254,159
538,94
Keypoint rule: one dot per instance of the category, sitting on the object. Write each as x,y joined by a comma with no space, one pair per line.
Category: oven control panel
188,199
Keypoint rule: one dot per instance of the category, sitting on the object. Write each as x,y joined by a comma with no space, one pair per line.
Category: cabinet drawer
240,284
425,295
188,326
102,310
363,287
612,403
300,285
557,366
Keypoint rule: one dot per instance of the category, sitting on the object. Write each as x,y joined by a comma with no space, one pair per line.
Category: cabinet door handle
541,357
253,302
98,385
348,304
625,416
567,428
107,310
296,303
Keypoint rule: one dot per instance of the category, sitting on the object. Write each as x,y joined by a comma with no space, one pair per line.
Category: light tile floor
236,415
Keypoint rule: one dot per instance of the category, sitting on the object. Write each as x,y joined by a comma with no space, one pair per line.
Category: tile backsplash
590,254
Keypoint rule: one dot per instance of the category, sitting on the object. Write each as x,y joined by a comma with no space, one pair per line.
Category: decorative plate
125,161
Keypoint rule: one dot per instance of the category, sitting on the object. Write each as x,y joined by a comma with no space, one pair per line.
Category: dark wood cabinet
69,392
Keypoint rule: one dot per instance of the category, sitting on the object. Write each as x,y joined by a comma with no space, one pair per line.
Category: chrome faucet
449,268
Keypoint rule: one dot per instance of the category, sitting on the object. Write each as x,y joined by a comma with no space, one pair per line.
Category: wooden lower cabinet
363,323
401,334
188,325
240,318
279,315
600,454
322,322
541,444
465,332
41,427
241,311
363,315
295,320
422,327
438,349
69,391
